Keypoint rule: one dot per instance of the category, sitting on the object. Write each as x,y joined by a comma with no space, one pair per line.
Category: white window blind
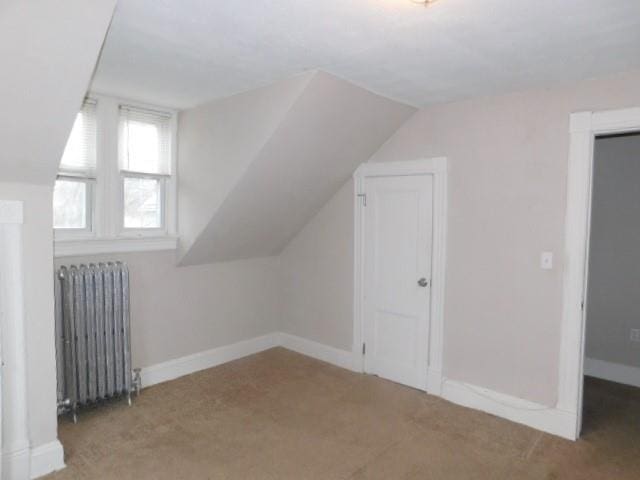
79,157
144,141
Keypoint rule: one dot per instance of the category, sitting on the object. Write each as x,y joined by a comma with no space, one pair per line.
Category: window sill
94,246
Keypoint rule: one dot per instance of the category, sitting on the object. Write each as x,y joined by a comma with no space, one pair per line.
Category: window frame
62,233
142,232
108,234
90,182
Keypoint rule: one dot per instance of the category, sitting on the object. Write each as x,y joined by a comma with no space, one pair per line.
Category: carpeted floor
280,415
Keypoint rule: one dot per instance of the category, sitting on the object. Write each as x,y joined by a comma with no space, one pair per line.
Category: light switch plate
546,260
635,335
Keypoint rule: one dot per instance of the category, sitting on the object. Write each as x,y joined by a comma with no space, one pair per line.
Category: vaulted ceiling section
49,50
255,168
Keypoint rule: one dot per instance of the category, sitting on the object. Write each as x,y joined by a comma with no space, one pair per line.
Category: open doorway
585,128
611,392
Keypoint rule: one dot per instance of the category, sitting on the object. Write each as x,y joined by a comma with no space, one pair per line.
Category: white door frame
14,435
436,167
584,127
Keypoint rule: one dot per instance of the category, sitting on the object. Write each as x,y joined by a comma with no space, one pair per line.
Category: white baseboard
540,417
15,464
178,367
319,351
615,372
172,369
46,458
548,419
434,382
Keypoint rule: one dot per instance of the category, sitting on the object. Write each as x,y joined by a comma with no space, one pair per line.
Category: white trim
14,431
107,192
358,274
584,126
615,372
437,167
168,182
47,458
548,419
319,351
540,417
165,371
426,166
435,381
172,369
15,464
69,248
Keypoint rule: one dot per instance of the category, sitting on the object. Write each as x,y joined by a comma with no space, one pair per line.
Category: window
145,162
142,202
115,180
71,204
73,192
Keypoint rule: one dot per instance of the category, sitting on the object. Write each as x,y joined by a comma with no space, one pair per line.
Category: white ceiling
181,53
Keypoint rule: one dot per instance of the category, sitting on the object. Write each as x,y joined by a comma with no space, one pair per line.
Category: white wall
508,158
329,128
48,50
507,187
614,264
216,143
317,275
38,272
178,311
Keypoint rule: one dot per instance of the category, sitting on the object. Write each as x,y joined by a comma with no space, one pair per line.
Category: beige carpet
280,415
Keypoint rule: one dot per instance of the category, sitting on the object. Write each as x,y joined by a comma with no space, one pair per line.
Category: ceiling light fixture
423,2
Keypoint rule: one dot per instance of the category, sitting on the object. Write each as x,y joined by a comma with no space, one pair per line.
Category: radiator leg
74,412
137,380
129,398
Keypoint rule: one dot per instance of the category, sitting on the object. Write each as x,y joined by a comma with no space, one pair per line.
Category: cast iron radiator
93,344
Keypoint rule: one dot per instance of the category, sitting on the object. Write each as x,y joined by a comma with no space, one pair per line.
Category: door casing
583,129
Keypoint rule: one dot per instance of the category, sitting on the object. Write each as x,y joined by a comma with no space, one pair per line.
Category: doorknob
423,282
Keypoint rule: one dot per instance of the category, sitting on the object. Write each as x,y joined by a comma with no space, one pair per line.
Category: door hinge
582,305
364,348
364,198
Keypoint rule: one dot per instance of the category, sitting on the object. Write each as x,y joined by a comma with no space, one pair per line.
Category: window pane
145,141
70,204
80,152
142,203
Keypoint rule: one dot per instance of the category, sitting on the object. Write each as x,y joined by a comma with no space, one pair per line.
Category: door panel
398,245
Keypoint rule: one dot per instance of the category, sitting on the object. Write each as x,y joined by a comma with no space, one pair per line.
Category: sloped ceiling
217,143
325,133
48,51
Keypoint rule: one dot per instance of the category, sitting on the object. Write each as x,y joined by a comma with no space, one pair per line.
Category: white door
398,229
